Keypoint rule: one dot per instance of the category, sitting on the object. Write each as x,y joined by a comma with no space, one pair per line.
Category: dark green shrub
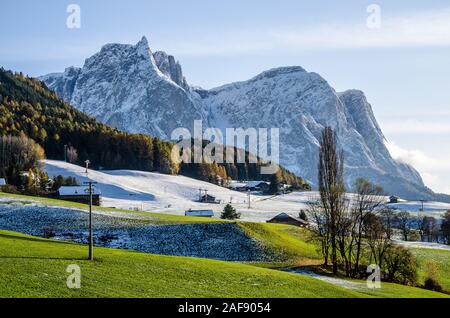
229,213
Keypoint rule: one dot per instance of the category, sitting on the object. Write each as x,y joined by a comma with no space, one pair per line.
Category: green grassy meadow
36,267
442,260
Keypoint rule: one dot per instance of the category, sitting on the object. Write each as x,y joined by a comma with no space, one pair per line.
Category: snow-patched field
224,241
128,189
415,244
416,206
147,191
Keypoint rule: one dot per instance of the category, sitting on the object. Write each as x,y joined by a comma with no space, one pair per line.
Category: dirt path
332,280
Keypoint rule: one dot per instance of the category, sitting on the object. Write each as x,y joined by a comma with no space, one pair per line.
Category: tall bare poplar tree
368,197
331,187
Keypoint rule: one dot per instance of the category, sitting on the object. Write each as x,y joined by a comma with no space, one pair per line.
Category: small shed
2,182
393,199
79,194
284,218
200,213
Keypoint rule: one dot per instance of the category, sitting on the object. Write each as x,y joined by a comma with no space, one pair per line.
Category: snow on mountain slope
301,104
129,87
122,87
63,83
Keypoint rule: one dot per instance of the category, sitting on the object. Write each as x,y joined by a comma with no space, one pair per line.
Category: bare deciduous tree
368,198
388,219
402,222
377,238
445,227
320,224
430,228
345,224
72,155
331,188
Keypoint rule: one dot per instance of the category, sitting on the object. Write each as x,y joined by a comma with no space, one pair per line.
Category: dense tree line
424,228
432,230
222,172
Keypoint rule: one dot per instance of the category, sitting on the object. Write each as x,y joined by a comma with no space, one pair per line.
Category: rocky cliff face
301,104
123,87
133,89
63,83
171,68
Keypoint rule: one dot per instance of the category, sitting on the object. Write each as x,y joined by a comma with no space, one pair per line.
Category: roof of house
2,182
199,212
284,216
208,196
76,190
249,184
253,184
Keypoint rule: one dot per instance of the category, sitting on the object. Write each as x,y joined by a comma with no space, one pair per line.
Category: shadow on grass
32,239
37,240
46,258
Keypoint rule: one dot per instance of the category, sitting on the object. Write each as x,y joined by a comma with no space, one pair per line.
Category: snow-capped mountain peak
131,88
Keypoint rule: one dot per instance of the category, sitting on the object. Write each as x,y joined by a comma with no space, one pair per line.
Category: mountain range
134,89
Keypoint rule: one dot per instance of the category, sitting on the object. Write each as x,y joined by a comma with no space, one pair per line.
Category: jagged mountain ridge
133,89
123,87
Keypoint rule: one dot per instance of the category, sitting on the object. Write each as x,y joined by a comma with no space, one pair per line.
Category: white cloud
415,158
435,172
415,29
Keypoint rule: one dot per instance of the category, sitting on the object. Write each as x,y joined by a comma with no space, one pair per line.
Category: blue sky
402,66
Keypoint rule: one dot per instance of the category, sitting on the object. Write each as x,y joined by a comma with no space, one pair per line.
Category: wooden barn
284,218
257,186
78,194
209,199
